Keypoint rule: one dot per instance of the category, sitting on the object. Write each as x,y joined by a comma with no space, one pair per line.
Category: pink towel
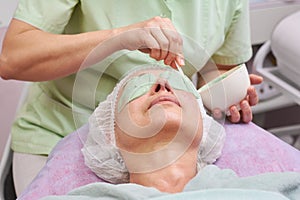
248,150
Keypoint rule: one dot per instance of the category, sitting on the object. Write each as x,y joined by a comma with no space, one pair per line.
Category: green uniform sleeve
51,16
237,46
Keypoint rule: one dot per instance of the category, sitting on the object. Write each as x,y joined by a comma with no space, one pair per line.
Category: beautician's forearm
33,55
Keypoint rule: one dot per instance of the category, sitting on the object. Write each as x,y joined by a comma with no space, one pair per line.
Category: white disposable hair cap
102,155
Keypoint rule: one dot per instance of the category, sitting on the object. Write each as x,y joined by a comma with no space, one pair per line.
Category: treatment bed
248,150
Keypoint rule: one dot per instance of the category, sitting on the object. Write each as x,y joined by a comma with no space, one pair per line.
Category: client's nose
161,85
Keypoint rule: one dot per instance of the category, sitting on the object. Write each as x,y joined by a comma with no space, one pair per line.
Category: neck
172,178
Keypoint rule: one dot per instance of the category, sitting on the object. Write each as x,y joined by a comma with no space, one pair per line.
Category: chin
171,114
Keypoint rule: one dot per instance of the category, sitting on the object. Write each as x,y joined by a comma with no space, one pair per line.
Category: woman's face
156,108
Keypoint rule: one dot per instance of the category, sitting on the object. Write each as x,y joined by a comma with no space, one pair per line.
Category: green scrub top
210,29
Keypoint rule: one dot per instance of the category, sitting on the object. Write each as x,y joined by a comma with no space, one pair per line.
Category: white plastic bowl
226,90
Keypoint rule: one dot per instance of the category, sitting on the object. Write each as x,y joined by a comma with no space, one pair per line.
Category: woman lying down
152,139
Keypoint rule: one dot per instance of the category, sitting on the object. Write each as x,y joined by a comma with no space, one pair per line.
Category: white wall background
265,14
7,8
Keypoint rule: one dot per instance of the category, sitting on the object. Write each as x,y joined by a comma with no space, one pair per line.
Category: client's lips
164,99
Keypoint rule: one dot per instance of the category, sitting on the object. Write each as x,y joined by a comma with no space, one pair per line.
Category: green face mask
139,85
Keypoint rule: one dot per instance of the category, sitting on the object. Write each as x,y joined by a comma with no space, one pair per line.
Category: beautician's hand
245,114
157,37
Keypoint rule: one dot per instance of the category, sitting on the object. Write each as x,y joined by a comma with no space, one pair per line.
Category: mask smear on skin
141,84
136,87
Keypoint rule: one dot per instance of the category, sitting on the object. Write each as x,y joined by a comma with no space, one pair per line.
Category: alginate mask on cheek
179,82
136,87
140,85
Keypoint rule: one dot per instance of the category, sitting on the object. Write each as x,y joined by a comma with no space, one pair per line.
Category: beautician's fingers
162,52
157,35
252,99
175,46
235,115
175,42
252,96
179,60
217,114
255,79
246,111
244,114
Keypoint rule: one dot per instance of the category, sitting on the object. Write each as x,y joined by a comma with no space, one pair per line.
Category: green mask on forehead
141,84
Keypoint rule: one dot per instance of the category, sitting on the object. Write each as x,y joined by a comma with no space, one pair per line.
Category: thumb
255,79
